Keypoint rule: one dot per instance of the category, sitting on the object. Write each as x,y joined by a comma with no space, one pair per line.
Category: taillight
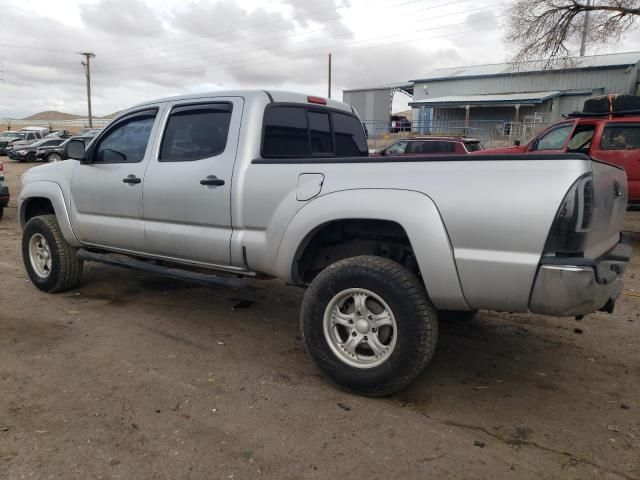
318,100
573,221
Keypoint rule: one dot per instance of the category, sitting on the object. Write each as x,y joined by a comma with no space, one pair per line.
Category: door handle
131,179
212,180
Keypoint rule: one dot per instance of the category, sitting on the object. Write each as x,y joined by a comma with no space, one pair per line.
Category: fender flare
412,210
52,192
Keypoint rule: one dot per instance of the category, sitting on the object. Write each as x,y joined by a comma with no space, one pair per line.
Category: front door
106,191
187,189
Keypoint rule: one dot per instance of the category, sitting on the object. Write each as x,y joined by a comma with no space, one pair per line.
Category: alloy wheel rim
360,328
40,255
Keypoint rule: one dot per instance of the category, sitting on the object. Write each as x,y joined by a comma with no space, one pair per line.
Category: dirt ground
133,376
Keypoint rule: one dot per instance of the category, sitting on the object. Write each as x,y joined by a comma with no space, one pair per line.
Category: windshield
12,134
39,142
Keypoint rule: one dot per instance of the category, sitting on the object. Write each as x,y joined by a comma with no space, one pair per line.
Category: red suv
432,146
614,140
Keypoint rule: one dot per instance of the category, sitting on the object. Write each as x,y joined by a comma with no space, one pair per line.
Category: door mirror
383,152
75,149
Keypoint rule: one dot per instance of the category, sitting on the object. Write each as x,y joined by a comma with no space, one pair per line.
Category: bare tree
549,29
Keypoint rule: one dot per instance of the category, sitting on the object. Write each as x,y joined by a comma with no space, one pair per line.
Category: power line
27,47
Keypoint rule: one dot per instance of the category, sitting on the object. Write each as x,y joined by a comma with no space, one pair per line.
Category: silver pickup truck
276,184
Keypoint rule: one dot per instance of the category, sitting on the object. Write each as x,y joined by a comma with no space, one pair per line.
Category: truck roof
264,95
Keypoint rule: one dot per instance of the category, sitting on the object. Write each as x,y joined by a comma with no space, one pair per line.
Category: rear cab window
301,131
473,146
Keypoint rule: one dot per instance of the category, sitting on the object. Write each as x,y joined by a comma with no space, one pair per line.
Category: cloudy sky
153,48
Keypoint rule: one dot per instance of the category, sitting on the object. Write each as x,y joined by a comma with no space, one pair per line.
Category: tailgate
609,206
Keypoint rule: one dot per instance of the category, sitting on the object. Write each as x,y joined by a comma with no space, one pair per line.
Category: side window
350,140
195,132
51,143
127,141
396,149
320,131
620,137
581,138
286,133
555,139
414,147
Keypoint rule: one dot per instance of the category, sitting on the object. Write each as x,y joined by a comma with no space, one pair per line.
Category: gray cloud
132,18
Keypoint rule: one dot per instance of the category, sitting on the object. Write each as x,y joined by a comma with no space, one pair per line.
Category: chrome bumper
569,287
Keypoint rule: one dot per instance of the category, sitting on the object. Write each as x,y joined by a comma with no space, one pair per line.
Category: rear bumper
568,287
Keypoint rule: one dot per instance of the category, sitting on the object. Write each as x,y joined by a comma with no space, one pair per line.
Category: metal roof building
488,96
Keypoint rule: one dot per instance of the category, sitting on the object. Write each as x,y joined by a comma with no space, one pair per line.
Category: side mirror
75,149
517,143
383,152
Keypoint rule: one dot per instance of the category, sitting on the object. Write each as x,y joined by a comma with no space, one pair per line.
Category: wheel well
37,206
349,238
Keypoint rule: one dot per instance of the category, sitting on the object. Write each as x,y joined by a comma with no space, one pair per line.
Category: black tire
415,317
1,212
456,316
31,157
66,270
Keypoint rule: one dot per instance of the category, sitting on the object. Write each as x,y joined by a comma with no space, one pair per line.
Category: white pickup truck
276,184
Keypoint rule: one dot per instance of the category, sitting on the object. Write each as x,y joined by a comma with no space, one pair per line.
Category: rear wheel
51,263
368,324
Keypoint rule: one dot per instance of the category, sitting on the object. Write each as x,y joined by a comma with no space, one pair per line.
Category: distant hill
53,115
112,115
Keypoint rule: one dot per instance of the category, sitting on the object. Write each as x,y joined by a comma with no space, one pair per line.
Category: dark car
4,191
55,153
432,146
399,123
28,153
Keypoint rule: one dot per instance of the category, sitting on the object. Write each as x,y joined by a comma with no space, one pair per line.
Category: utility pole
329,76
87,69
585,30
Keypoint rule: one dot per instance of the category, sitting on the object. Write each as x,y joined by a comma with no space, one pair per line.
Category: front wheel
51,263
369,326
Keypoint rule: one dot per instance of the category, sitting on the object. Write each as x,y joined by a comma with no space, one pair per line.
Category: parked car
399,123
29,138
432,146
59,134
614,140
4,191
271,184
41,130
8,138
56,153
29,153
89,132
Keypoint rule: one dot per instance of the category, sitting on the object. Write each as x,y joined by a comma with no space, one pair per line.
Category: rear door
187,190
620,145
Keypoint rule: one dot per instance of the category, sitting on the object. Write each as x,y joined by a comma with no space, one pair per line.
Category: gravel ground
133,376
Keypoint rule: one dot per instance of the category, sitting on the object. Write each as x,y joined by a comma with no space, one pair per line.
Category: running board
121,260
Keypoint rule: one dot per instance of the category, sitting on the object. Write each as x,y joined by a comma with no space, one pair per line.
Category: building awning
501,99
